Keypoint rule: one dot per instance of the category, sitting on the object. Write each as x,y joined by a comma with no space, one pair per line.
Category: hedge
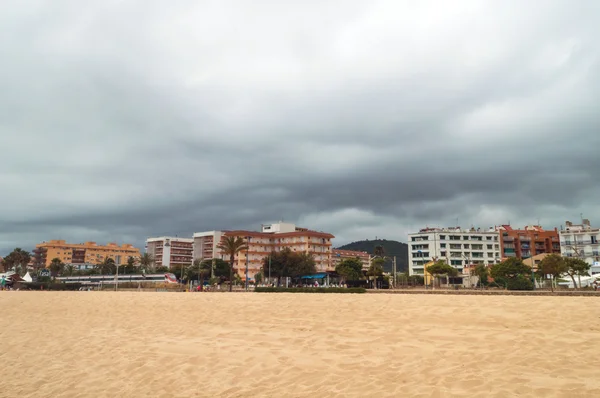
310,290
49,286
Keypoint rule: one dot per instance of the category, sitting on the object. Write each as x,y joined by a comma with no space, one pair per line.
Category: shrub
309,290
519,283
50,286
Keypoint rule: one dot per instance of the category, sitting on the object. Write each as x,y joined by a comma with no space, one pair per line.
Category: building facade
271,238
337,256
581,241
458,247
82,253
527,242
206,245
172,252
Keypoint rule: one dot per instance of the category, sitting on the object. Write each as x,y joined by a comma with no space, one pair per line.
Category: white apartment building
459,247
581,241
171,252
206,245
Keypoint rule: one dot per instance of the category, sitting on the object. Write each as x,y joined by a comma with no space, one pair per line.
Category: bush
310,290
519,283
49,286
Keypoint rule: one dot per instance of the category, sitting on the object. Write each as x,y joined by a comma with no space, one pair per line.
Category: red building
528,242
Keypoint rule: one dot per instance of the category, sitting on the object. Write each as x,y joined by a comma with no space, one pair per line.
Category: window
488,237
454,237
442,245
442,237
466,245
443,254
489,247
490,254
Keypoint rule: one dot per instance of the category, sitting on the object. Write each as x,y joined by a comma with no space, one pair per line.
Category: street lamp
247,255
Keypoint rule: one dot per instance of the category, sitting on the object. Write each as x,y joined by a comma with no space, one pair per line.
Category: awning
320,275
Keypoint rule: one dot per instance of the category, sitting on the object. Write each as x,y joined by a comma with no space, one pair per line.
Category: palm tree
69,269
147,262
106,267
231,246
200,269
56,267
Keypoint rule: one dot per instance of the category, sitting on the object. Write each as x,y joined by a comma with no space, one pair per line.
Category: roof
355,253
278,234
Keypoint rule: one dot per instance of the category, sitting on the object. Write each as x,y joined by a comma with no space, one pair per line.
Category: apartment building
271,237
82,253
206,245
459,247
581,241
527,242
337,256
171,252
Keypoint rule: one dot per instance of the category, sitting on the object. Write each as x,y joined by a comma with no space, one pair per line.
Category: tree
375,270
56,267
258,277
17,260
440,268
198,270
231,246
301,264
147,263
482,274
350,269
576,267
554,265
510,268
379,251
69,269
287,263
106,267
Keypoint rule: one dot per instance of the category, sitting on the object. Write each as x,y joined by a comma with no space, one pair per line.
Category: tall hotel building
271,238
458,247
171,252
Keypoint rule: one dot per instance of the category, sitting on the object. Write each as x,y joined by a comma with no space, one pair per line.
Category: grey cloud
124,120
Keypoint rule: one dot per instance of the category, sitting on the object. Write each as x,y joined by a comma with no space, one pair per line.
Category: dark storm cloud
123,120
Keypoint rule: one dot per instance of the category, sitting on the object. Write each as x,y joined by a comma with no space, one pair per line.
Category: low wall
579,293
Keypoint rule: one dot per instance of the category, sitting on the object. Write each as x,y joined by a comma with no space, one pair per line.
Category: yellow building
82,253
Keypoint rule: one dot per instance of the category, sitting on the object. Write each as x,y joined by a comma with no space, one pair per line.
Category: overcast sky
121,120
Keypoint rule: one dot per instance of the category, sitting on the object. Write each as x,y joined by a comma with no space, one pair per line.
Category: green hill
392,248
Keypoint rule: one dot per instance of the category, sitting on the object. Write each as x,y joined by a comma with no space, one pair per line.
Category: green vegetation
576,267
391,248
17,261
350,269
287,263
147,263
231,246
310,290
482,273
56,267
512,274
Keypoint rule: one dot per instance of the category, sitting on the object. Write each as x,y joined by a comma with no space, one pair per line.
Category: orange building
528,242
274,237
82,253
341,255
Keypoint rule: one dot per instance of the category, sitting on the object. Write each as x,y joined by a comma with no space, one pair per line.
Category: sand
136,344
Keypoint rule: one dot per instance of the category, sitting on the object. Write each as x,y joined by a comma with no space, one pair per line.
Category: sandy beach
135,344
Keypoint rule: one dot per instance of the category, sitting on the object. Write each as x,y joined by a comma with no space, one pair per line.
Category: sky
125,119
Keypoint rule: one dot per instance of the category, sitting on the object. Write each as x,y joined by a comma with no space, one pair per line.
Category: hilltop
392,248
